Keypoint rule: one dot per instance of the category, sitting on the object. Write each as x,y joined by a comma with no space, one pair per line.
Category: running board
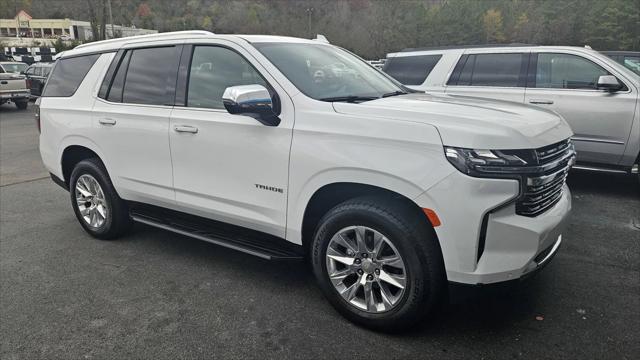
250,242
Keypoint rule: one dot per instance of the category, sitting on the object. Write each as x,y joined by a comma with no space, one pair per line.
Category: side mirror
252,100
609,83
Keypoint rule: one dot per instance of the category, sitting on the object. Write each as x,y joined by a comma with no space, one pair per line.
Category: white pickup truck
14,88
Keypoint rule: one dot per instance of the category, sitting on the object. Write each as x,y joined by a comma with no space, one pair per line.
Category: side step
248,241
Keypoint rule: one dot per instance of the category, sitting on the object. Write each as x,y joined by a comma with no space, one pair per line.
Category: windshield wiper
350,98
395,93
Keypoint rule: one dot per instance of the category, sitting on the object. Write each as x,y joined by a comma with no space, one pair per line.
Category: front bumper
506,246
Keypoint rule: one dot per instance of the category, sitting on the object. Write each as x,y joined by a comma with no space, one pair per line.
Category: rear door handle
541,101
186,129
107,121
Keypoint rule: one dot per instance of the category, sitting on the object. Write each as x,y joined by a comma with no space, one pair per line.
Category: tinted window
37,71
632,63
411,70
566,71
492,70
213,69
114,93
151,76
326,72
68,74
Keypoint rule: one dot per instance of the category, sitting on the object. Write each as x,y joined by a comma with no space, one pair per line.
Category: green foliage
65,45
372,28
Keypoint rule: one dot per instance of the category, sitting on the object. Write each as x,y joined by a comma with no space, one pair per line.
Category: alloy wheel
91,201
366,269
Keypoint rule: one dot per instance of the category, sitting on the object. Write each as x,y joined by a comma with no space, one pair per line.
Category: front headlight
483,162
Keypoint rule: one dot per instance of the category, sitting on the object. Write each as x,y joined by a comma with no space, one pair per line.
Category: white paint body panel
394,143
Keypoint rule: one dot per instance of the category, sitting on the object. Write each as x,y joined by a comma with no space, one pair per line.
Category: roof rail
146,37
451,47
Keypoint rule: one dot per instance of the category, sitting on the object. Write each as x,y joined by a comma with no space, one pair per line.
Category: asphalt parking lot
155,294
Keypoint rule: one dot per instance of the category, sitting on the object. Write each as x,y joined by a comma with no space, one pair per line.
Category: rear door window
497,70
68,74
151,76
411,70
566,71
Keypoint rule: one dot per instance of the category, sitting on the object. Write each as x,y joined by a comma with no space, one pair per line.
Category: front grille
543,188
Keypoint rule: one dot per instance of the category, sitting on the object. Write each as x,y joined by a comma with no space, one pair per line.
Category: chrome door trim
599,169
581,138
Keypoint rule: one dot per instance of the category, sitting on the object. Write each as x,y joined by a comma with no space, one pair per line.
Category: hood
469,122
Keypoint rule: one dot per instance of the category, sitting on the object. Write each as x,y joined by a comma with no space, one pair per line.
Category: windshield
14,68
328,73
632,63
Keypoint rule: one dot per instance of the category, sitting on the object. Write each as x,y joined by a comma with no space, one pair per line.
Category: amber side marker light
432,216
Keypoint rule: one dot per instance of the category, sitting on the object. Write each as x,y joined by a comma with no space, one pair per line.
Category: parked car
597,96
14,67
232,139
630,59
37,75
13,88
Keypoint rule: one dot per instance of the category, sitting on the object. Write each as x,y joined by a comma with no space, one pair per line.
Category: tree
492,23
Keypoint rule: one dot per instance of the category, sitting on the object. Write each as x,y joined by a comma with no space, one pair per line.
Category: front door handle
107,121
541,101
186,129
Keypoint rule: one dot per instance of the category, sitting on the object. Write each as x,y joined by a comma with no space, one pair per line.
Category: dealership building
24,26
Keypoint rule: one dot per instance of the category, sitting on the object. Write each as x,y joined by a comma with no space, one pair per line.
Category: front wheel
378,263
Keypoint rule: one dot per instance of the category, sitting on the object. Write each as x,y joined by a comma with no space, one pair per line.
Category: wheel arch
71,156
332,194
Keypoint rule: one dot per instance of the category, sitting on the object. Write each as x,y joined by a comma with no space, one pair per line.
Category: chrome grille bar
542,190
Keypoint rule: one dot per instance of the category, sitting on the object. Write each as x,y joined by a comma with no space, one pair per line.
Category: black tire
22,104
414,238
117,221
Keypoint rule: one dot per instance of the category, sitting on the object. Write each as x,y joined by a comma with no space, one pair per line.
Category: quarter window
151,76
115,91
213,69
565,71
411,70
500,70
68,74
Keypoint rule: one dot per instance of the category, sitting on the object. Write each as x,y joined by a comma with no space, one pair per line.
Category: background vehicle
37,75
630,59
597,96
204,144
13,67
13,87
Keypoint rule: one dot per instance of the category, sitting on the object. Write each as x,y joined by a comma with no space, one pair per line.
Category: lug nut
369,277
360,272
357,261
377,271
364,255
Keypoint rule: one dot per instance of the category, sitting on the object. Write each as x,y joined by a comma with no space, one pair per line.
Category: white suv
289,149
597,96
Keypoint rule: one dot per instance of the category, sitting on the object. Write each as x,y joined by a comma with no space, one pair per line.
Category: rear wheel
378,263
99,209
21,104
